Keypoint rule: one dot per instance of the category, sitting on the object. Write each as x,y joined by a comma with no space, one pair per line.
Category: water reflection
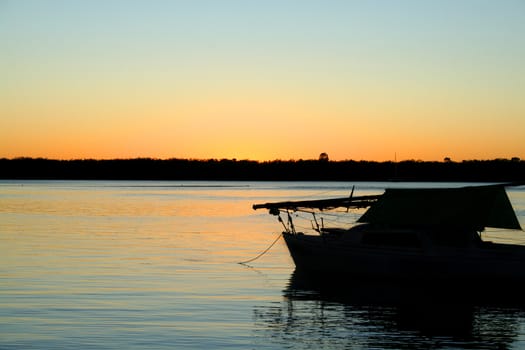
385,317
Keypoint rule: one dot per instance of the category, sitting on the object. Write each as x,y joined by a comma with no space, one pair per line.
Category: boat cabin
367,235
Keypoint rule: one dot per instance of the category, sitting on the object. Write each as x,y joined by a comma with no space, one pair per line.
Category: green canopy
466,207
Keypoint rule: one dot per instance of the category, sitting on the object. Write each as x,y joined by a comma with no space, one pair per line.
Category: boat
407,236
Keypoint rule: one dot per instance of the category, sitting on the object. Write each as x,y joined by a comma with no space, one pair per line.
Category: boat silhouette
430,237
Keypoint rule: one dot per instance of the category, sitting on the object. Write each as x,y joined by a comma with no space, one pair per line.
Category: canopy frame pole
318,229
291,226
286,229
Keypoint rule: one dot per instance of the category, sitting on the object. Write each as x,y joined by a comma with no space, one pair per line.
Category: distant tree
447,160
323,157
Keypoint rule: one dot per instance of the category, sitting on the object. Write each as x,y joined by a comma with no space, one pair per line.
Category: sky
262,80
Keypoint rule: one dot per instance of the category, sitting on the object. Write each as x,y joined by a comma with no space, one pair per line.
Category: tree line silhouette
276,170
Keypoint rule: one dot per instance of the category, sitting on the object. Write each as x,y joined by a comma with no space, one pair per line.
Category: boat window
392,239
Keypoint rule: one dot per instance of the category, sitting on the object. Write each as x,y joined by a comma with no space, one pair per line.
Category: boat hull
333,259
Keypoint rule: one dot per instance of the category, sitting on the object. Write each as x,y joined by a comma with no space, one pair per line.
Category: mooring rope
264,252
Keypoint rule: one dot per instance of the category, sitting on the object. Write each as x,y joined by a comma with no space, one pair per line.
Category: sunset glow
265,80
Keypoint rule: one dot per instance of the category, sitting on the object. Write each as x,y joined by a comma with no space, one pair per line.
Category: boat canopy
473,207
322,204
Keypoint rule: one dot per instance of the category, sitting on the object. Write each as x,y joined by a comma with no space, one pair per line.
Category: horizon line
444,160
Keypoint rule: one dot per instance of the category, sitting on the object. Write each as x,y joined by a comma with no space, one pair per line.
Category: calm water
147,265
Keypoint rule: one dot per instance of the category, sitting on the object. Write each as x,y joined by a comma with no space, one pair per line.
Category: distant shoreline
497,170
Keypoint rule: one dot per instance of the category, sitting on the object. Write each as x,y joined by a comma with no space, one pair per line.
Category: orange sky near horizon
279,80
